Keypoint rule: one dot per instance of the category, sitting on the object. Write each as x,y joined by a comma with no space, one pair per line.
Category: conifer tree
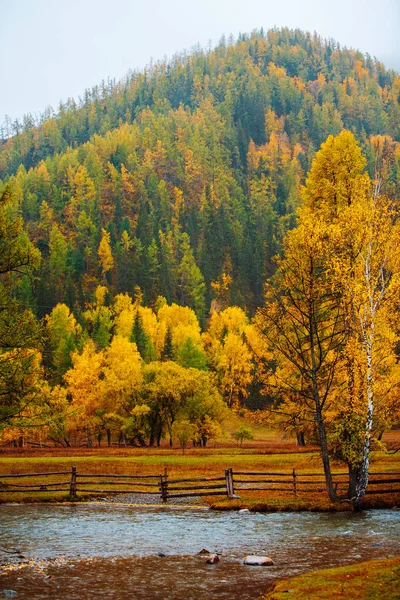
142,340
168,350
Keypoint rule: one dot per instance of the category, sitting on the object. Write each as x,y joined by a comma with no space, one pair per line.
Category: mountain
182,179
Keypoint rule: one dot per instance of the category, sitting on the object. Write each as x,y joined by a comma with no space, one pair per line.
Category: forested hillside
183,179
218,232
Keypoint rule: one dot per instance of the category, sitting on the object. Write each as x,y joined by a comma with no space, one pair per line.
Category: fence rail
159,485
243,481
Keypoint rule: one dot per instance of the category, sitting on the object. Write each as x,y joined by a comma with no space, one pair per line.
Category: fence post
164,485
229,483
294,483
72,488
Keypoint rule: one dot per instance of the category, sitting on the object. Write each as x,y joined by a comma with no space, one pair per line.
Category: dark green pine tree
168,351
142,340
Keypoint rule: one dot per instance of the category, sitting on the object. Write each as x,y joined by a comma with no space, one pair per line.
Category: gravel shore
153,499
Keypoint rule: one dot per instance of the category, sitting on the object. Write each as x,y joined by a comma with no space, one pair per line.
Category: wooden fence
161,486
306,483
95,483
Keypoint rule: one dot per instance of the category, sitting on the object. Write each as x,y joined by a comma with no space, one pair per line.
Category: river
114,551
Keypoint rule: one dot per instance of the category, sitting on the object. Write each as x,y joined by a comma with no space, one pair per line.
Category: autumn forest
219,232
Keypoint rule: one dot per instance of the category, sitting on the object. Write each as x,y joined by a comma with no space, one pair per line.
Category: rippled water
111,551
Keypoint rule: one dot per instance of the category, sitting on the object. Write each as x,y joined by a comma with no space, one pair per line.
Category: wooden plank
194,494
260,473
194,479
261,489
117,476
35,485
36,474
30,490
117,492
322,482
380,481
322,475
131,483
290,480
287,474
314,491
382,491
319,478
385,473
195,487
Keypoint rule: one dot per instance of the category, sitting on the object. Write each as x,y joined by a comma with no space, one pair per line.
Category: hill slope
183,179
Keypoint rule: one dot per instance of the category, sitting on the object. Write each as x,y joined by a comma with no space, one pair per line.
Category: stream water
112,551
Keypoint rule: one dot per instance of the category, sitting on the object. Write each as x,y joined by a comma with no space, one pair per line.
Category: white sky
51,50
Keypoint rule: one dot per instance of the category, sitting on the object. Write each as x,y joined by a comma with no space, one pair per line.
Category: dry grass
374,580
265,453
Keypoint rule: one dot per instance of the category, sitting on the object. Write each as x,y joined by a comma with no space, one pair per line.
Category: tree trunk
363,469
88,438
325,457
300,439
354,478
108,437
159,436
319,418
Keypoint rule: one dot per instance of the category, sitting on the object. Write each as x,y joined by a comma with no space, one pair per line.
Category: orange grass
260,455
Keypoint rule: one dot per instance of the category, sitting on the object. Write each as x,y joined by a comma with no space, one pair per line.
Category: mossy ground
372,580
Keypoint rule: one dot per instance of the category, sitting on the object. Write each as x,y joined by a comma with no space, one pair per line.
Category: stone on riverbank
258,561
213,559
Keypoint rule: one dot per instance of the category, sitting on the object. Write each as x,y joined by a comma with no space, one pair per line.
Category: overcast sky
52,50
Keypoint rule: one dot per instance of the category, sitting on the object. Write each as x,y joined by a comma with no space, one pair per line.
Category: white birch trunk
374,293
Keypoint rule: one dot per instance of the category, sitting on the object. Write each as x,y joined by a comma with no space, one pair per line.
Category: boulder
212,559
262,561
204,551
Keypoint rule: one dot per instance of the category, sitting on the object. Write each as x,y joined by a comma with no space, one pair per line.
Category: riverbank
374,579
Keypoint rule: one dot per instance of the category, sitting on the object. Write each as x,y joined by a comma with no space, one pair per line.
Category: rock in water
204,551
213,559
262,561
